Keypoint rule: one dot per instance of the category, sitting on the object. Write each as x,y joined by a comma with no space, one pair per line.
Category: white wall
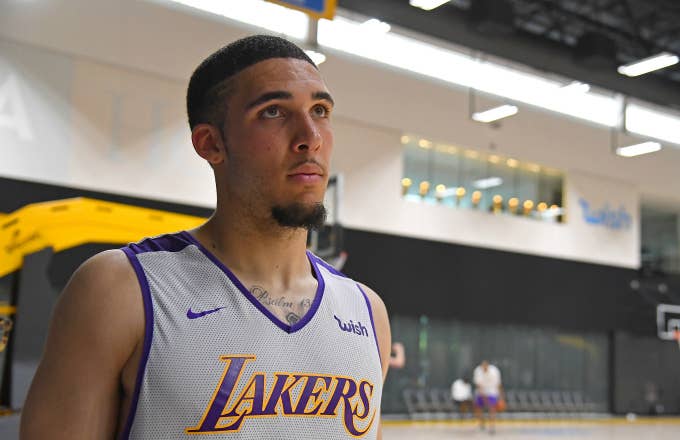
105,82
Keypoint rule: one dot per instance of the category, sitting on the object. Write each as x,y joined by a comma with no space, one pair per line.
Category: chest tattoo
288,309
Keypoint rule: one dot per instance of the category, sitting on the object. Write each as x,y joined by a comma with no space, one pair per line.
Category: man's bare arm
95,328
382,330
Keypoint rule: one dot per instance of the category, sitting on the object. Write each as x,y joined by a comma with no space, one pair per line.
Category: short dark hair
209,85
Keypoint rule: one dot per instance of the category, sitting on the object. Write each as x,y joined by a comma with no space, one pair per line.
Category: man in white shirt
488,392
461,391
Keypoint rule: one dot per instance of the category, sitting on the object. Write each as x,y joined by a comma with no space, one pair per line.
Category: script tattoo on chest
290,310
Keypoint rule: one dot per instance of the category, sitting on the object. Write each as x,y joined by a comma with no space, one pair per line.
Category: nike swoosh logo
193,315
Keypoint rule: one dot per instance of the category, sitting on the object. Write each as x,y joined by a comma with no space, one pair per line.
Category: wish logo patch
352,327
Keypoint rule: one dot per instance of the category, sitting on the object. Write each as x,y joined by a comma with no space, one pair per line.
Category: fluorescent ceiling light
656,62
489,182
638,149
466,71
377,26
317,57
258,13
427,5
496,113
576,87
653,123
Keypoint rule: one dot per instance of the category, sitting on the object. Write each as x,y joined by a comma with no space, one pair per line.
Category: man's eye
271,112
321,111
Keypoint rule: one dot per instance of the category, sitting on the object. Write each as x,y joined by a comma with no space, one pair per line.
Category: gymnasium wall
106,113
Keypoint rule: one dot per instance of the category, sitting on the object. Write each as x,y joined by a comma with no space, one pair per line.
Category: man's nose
307,134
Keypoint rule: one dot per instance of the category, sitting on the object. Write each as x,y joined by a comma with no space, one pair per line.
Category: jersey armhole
370,314
148,336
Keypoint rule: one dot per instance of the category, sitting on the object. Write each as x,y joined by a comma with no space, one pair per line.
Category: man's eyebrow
323,95
269,96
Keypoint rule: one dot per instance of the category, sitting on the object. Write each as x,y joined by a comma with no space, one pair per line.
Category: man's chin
300,215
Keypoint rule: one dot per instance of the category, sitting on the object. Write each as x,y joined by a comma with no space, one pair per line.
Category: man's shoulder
107,273
112,263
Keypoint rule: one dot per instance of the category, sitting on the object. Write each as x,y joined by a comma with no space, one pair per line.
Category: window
445,174
660,238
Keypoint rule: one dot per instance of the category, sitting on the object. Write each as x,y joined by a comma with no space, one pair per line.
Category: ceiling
585,40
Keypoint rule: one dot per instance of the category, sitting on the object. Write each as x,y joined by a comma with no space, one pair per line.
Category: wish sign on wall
605,215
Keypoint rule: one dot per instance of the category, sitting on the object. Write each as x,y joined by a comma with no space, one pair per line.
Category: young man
488,391
231,330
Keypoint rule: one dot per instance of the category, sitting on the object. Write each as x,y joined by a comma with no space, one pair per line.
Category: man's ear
208,143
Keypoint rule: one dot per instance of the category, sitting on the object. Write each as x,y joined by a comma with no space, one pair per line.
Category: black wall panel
437,279
645,371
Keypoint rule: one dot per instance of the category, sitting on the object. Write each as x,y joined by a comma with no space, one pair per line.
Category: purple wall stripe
283,326
370,313
148,336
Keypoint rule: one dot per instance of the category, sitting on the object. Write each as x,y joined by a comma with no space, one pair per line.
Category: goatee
297,215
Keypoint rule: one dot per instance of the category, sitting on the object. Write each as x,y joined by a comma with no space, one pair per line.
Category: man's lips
307,169
308,173
305,177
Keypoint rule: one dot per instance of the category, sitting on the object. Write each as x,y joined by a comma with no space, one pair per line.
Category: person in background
488,392
461,391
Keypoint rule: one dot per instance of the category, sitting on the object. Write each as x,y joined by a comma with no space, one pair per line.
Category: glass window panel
416,166
445,171
660,238
464,178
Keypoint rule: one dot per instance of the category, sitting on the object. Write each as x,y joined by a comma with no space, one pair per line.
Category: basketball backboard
668,321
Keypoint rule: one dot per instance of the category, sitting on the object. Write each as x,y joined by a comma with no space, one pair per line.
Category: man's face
278,137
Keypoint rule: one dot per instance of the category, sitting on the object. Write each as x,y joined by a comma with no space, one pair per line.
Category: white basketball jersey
217,363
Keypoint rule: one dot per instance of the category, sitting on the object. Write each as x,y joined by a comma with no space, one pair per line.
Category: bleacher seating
437,402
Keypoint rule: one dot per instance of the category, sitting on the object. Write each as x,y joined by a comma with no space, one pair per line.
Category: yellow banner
63,224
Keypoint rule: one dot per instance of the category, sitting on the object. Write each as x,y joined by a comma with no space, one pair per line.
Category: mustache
310,161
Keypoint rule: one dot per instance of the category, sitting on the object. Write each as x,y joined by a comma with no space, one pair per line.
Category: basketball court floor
616,429
610,429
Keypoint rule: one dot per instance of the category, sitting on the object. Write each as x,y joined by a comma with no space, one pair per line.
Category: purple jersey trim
370,313
283,326
148,335
169,242
328,267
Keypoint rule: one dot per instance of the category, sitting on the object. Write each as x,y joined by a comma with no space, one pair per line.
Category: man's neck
266,253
